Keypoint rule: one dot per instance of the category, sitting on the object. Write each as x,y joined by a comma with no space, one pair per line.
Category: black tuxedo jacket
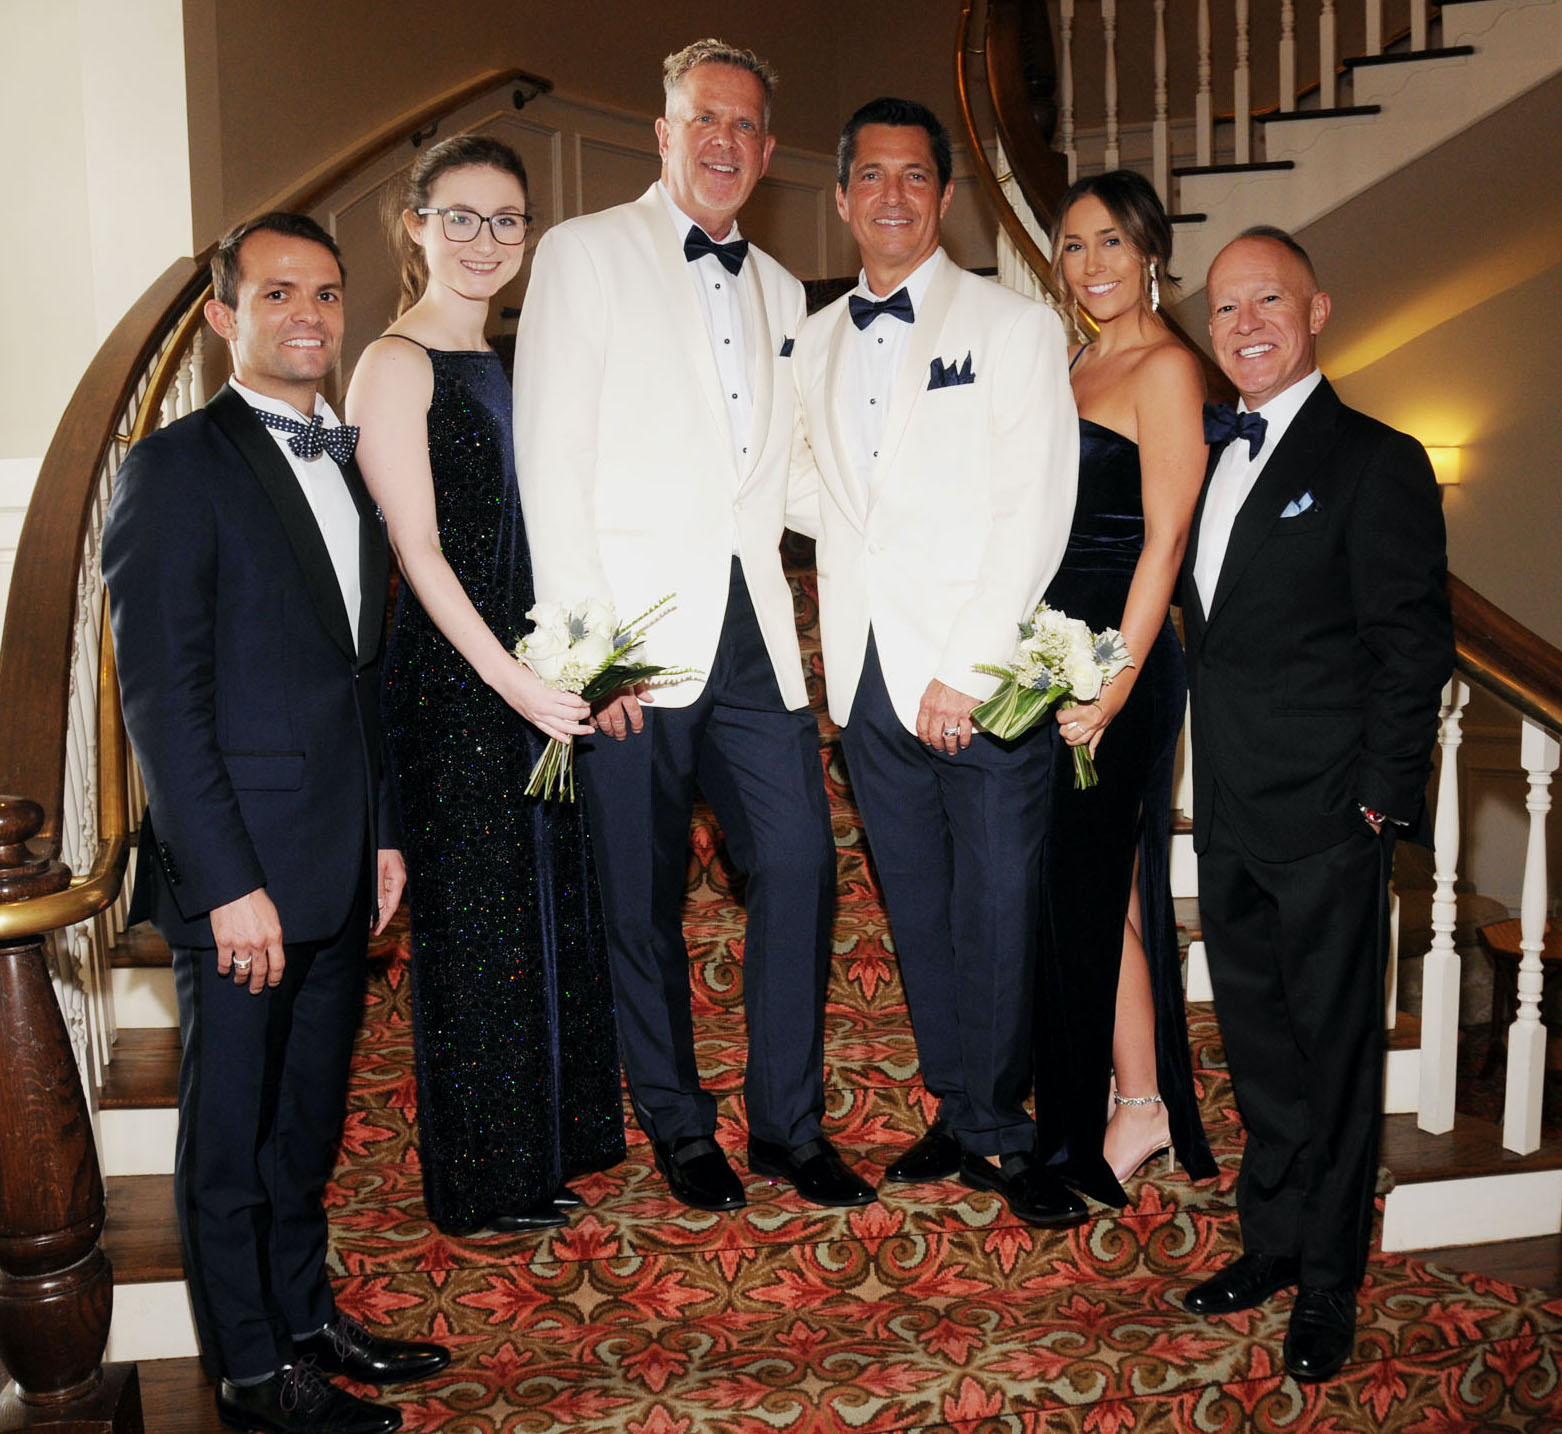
1316,675
252,710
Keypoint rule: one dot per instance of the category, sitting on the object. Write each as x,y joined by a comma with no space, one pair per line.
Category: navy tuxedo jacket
1316,675
252,711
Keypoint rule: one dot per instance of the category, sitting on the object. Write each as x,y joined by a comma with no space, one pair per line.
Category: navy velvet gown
1088,857
517,1055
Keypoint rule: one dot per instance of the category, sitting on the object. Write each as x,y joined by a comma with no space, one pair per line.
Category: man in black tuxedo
1316,615
247,571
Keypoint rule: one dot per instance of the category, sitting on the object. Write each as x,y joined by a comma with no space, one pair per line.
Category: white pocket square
1297,506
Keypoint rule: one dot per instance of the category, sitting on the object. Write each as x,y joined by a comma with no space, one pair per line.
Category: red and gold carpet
932,1309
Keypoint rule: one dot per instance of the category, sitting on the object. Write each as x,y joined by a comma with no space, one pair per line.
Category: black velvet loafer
296,1400
545,1215
1247,1281
567,1199
814,1169
1322,1333
345,1347
698,1173
936,1156
1030,1191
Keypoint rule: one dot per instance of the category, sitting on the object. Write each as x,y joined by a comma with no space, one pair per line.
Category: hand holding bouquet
582,649
1057,656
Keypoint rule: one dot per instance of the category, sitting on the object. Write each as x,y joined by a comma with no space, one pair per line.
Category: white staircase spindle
1161,139
1374,40
198,369
1287,56
1203,105
1440,974
1418,24
1527,1036
1391,993
1328,51
1242,92
1066,90
1114,156
184,382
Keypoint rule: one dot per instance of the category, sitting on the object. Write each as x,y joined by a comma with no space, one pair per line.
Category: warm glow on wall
1445,464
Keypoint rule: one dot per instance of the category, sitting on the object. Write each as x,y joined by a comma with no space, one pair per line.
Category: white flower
1083,677
553,616
593,650
598,616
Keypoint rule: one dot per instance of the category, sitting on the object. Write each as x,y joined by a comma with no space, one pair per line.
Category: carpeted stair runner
932,1309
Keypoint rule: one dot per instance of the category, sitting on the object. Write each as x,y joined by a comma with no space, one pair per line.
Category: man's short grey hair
1285,240
717,52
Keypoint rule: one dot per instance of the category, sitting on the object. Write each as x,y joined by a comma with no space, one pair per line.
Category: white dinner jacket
953,536
624,452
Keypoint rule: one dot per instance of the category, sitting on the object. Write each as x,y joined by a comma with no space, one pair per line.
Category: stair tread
1337,112
144,1073
140,946
176,1397
1440,52
1255,167
141,1232
1473,1147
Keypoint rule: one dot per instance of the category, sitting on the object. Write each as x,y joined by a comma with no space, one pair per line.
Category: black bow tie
310,440
865,311
1222,423
697,243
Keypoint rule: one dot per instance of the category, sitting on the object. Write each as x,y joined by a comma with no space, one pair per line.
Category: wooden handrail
1498,653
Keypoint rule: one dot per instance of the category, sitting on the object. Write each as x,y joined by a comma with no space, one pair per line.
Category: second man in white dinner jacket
654,414
939,474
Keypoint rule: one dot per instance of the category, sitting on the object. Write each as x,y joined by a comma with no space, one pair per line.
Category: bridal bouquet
583,649
1057,656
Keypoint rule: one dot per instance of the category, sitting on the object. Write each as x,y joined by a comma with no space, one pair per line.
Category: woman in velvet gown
1109,985
517,1057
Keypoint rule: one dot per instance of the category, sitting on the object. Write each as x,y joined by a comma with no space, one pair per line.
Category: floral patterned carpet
932,1309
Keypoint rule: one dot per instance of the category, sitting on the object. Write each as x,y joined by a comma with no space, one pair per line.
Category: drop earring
1155,289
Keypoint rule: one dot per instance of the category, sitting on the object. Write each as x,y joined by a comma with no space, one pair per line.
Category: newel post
56,1285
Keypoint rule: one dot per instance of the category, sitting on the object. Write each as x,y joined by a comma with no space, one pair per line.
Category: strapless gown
1088,857
513,1029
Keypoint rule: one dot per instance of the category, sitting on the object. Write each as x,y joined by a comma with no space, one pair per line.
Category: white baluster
184,381
1287,56
1440,974
1114,156
1203,106
1391,995
1374,40
1526,1036
1418,24
1066,91
1328,51
1242,92
1161,141
198,369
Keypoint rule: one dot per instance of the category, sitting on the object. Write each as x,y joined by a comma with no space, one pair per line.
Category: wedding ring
242,965
951,731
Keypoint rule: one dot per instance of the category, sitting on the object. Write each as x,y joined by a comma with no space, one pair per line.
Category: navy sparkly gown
1087,860
517,1055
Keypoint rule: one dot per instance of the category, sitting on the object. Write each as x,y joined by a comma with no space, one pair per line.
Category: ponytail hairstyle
463,151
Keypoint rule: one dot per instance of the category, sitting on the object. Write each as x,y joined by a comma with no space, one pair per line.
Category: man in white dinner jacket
939,475
653,422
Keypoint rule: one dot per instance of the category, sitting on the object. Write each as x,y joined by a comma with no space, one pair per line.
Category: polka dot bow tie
310,440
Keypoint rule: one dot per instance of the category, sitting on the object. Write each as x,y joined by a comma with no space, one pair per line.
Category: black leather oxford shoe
1247,1281
1031,1193
698,1173
345,1347
296,1400
936,1156
1322,1333
545,1215
567,1199
815,1169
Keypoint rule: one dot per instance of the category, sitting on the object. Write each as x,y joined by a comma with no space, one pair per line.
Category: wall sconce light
1445,465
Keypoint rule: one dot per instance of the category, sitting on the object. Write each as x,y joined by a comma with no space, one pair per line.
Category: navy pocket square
950,375
786,347
1297,506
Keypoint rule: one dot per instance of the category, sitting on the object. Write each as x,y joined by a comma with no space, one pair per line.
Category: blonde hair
717,52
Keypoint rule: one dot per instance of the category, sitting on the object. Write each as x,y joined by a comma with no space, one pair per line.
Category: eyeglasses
462,225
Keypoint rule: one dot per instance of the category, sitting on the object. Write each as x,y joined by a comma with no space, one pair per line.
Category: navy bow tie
731,254
865,311
1222,423
310,440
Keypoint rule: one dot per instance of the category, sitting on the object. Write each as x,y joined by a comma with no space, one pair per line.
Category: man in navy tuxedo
247,572
1316,615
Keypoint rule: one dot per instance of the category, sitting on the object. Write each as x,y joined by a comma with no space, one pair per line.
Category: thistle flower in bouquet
581,648
1057,656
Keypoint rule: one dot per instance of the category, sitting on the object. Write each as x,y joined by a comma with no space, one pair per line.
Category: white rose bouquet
582,649
1057,656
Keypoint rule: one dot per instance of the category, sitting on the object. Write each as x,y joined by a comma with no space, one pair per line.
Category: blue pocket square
786,347
1297,506
949,375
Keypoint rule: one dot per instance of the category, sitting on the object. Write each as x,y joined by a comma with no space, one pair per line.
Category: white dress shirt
1235,474
325,490
872,365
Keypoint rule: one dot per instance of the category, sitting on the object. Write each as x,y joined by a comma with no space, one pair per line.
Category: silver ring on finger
951,731
243,966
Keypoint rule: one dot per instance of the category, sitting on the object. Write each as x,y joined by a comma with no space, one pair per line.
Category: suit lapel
1305,444
259,450
912,381
762,347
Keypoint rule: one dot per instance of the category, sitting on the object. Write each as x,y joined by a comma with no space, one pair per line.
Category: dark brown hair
225,259
463,151
1136,210
891,111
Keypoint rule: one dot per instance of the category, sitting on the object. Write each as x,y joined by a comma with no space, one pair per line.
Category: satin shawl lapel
855,484
1306,444
259,450
667,247
912,381
762,347
373,566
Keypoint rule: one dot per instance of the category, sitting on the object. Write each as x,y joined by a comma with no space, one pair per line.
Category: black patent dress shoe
1030,1191
345,1347
698,1173
815,1169
296,1400
545,1215
936,1156
1247,1281
1322,1333
567,1199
